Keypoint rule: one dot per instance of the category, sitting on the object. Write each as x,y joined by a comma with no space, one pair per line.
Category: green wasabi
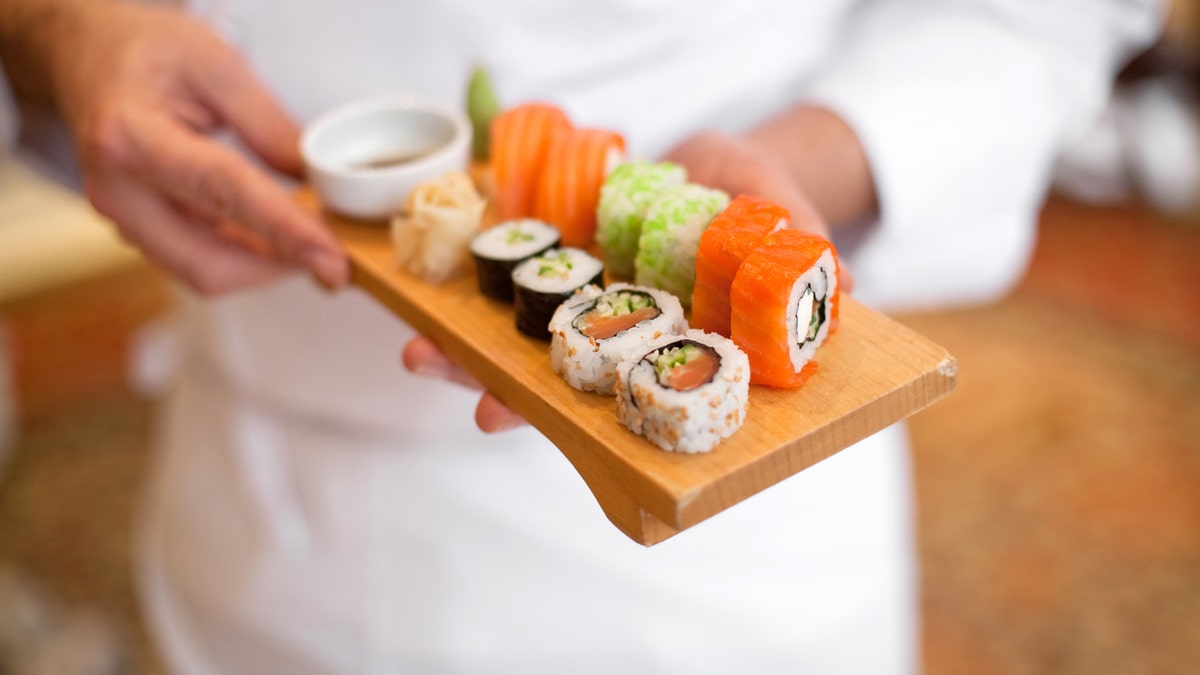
482,106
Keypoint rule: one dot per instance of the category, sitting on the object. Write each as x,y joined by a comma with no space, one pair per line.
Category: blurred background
1058,489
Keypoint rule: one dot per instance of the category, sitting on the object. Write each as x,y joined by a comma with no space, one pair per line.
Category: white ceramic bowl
364,158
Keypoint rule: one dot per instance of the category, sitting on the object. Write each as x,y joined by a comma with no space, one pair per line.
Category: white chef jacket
316,509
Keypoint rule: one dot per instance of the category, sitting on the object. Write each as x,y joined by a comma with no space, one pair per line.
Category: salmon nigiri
728,240
784,303
521,137
568,189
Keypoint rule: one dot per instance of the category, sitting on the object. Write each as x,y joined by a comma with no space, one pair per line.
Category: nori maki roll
498,250
544,281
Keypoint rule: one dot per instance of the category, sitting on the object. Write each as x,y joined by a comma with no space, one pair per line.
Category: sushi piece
728,240
520,139
666,256
568,188
592,330
545,281
626,194
684,393
784,302
498,249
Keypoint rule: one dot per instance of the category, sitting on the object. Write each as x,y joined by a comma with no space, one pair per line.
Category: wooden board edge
790,459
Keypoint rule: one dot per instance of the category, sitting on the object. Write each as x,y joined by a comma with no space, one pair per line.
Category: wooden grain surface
873,372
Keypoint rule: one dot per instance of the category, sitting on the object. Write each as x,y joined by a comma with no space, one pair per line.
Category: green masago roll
670,237
626,194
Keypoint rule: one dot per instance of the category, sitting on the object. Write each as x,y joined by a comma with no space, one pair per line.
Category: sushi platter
872,373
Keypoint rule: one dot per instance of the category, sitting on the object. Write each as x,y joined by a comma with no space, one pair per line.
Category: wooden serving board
873,373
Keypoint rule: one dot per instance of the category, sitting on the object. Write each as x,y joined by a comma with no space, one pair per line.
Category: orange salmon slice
697,372
604,327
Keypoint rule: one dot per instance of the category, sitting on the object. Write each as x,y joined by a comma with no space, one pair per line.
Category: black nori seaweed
495,275
534,309
819,311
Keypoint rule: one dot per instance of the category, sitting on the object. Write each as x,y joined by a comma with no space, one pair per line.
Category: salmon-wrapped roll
521,139
784,303
568,188
731,236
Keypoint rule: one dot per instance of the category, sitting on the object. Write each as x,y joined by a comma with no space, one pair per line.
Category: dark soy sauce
388,161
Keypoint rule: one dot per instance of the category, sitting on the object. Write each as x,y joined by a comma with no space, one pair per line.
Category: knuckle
105,140
101,199
216,193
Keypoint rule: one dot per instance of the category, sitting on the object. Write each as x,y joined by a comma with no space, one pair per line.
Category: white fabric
963,108
319,510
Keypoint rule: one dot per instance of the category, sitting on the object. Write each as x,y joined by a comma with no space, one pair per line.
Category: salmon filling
616,312
685,367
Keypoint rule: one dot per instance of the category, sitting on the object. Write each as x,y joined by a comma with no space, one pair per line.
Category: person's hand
422,357
143,89
737,166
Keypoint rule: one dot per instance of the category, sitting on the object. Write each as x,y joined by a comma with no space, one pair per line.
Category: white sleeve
962,108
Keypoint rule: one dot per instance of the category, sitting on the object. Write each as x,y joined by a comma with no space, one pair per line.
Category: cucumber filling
810,311
612,313
516,236
556,265
684,366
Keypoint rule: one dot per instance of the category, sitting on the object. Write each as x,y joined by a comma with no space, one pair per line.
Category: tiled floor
1059,514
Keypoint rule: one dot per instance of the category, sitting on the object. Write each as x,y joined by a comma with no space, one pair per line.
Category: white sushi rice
514,239
684,421
590,364
822,278
579,270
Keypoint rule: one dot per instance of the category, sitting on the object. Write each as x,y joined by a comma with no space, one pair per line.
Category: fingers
213,181
222,80
422,357
192,251
738,167
732,164
493,417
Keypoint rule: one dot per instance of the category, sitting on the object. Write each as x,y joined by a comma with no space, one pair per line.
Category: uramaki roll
731,236
592,329
784,303
684,393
